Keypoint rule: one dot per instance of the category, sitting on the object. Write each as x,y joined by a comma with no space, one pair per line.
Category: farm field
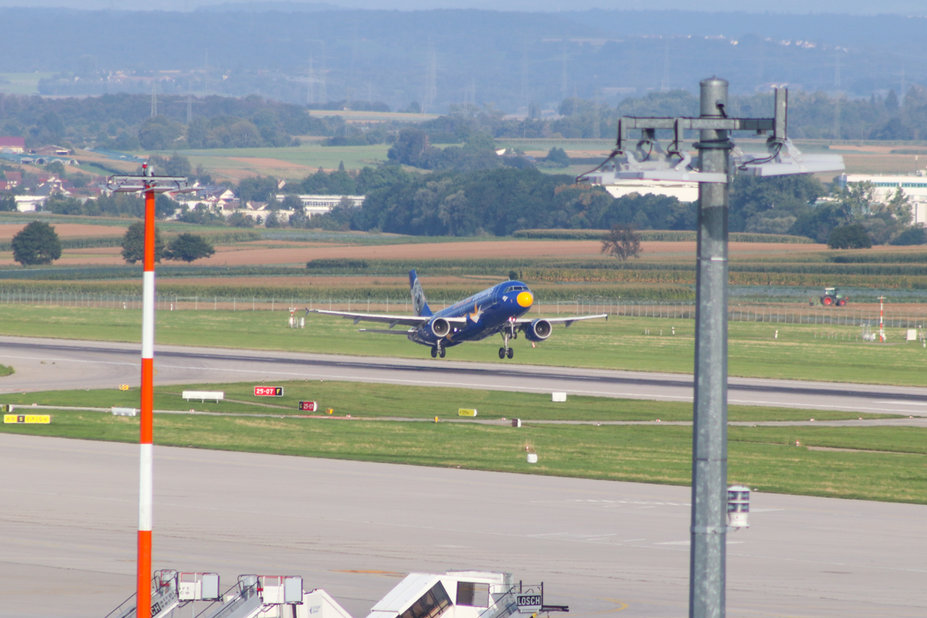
295,163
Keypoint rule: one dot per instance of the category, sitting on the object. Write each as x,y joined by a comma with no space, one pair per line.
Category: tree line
498,199
38,243
127,122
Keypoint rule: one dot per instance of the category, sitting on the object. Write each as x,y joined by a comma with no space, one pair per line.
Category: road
42,364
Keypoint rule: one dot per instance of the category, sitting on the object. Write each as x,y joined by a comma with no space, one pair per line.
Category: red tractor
832,299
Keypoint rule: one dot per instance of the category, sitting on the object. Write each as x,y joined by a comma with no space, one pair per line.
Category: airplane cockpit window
515,288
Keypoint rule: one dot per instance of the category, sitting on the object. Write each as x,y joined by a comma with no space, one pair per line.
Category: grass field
794,351
216,306
294,163
590,438
25,84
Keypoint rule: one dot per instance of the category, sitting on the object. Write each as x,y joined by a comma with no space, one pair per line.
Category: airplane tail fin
418,295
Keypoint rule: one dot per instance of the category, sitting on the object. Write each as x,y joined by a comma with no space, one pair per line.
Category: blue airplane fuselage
486,313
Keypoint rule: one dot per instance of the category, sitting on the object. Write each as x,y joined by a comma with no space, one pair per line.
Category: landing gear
438,351
505,351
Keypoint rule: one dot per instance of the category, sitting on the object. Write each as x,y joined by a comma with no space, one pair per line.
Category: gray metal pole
709,435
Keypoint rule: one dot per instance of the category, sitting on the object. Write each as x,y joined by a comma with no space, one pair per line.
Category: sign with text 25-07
268,391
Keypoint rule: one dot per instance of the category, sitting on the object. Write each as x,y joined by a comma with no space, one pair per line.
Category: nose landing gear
505,351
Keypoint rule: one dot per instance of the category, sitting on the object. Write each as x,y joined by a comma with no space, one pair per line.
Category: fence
902,315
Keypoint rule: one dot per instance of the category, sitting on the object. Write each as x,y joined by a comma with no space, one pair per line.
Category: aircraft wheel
501,352
510,352
434,352
442,352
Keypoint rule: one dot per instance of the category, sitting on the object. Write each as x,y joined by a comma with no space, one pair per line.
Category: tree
159,133
911,236
410,147
852,236
133,244
188,247
37,243
8,203
622,242
558,157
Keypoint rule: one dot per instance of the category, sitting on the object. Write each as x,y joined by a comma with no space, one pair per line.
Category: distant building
13,179
15,145
914,186
682,191
30,203
219,199
322,204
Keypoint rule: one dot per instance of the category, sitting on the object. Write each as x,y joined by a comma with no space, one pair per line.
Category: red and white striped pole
145,474
149,184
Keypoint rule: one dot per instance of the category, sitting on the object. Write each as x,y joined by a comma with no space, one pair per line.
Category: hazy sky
858,7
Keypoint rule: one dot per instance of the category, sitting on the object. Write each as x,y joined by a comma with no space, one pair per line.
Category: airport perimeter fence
904,315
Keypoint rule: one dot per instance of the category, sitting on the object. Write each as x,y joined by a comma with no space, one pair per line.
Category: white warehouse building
323,204
914,186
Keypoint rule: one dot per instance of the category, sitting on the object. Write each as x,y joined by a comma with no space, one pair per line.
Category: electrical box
738,506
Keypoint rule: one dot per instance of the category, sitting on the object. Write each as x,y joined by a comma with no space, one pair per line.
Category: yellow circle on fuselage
524,299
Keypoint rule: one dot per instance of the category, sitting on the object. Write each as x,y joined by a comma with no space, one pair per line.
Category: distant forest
434,60
125,121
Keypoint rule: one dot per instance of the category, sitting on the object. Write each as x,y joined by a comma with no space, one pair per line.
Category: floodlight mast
709,427
716,166
148,184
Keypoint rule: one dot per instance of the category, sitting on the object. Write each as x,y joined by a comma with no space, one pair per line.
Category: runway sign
27,419
308,406
268,391
466,412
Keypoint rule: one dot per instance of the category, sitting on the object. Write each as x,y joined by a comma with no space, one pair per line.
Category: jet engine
538,330
440,327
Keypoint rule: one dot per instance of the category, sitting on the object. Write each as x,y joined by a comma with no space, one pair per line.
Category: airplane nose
524,299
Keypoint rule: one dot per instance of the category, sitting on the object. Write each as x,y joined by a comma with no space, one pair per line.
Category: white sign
528,603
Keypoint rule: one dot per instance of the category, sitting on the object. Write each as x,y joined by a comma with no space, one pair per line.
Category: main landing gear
438,351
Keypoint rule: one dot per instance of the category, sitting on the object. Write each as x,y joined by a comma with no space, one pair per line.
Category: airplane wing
385,318
384,331
411,321
567,321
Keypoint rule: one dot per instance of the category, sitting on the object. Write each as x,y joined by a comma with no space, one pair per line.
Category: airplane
497,309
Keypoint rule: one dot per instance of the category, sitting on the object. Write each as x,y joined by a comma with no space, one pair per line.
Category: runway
69,508
45,364
68,520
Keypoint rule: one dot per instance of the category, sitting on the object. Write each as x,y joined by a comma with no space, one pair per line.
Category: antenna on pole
149,184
